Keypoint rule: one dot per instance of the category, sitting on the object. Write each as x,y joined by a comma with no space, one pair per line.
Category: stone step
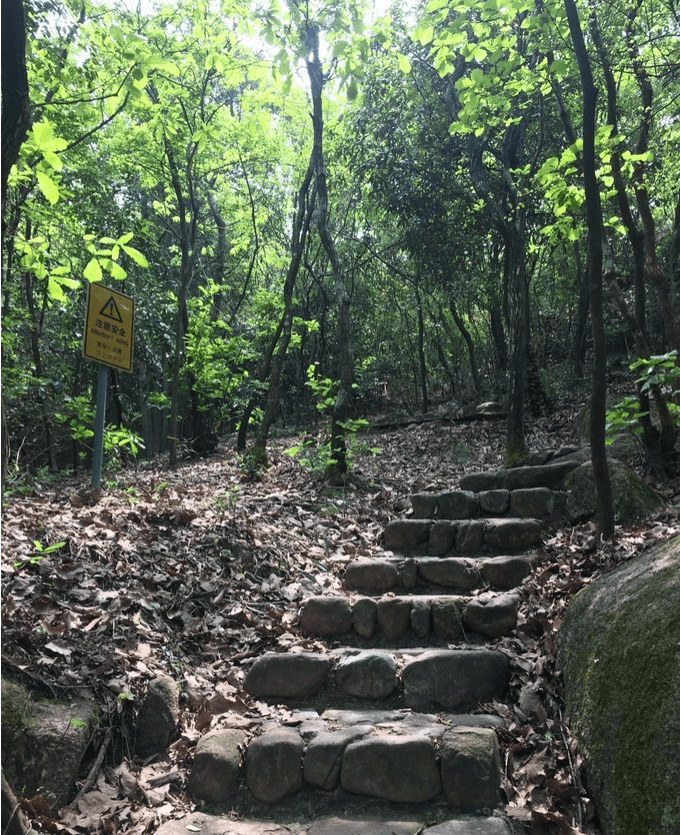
447,617
463,537
417,679
377,575
550,475
395,756
533,502
212,824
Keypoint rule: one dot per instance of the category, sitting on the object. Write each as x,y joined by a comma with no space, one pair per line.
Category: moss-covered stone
619,648
633,499
43,741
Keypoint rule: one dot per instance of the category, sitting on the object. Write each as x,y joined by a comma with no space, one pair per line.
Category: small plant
316,453
40,552
661,371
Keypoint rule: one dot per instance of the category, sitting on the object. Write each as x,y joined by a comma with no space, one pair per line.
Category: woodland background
331,209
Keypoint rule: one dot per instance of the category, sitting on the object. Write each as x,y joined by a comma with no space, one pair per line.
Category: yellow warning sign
109,327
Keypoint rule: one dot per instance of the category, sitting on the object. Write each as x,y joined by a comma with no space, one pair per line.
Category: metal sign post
109,340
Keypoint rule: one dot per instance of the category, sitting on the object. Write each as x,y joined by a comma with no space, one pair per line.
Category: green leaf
404,64
93,272
48,187
136,256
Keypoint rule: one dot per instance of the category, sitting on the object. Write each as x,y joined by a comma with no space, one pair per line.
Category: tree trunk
301,223
467,336
421,351
16,116
341,407
594,224
581,325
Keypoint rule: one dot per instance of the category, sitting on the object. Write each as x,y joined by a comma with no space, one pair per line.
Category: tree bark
341,407
16,117
594,224
467,336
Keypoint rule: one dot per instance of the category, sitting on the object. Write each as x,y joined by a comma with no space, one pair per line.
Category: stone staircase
388,709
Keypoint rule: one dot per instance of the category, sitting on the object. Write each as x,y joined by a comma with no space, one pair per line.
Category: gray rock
470,537
421,617
491,616
323,758
458,504
158,716
406,534
219,825
274,765
454,679
408,574
633,499
367,675
216,765
532,501
342,826
398,768
452,571
287,674
375,576
619,649
424,505
364,616
394,616
494,501
446,619
478,482
43,742
512,534
442,537
505,572
326,616
470,826
470,768
548,475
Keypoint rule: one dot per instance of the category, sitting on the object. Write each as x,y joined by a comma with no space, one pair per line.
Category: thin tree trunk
301,223
341,407
594,223
421,351
467,336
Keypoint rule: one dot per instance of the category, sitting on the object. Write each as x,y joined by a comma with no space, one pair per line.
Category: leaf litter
193,572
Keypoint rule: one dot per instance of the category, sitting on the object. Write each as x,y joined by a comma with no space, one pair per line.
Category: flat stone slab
367,675
406,534
454,679
377,575
292,675
505,572
342,826
396,768
512,534
470,826
223,825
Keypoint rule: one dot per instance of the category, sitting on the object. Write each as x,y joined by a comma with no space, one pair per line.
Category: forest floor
191,572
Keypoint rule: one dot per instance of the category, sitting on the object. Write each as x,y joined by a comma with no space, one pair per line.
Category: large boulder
633,499
43,741
619,648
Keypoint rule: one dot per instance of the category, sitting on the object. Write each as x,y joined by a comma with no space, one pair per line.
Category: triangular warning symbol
110,310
